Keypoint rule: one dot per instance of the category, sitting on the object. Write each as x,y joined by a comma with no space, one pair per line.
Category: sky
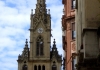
15,24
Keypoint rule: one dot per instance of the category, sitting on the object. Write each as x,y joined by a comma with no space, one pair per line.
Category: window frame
39,46
73,31
43,67
73,4
35,67
25,67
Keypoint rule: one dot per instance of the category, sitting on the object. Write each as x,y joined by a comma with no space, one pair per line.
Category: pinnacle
26,44
54,42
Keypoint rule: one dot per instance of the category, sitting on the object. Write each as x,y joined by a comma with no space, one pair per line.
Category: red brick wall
69,16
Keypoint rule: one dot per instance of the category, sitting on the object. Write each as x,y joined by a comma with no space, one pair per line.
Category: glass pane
73,34
39,67
25,67
54,67
35,67
73,4
37,49
43,67
41,49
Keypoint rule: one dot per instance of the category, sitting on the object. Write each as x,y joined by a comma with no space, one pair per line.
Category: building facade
40,56
88,34
68,37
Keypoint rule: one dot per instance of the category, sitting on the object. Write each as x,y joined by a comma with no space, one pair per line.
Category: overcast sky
14,25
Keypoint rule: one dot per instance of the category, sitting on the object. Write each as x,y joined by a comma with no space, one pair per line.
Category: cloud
14,25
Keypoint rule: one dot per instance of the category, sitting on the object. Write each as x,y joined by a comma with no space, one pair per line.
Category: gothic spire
41,1
54,44
40,6
26,44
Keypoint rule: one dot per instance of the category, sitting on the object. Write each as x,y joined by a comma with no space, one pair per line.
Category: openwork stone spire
41,16
40,6
41,1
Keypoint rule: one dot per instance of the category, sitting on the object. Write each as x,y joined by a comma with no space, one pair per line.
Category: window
35,67
73,4
39,46
39,67
73,31
54,67
43,67
25,67
73,64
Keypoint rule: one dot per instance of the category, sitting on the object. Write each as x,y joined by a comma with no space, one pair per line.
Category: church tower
40,56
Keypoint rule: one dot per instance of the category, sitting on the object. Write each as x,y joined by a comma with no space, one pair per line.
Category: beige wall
87,17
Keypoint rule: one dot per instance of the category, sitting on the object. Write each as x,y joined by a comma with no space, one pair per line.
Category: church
40,55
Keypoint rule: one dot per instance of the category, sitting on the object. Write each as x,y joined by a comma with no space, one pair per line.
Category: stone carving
73,47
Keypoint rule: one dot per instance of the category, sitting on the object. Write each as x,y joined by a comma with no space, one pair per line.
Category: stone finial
54,42
31,11
26,44
26,41
19,57
48,11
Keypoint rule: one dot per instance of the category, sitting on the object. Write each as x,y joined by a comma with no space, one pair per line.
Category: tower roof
54,52
40,7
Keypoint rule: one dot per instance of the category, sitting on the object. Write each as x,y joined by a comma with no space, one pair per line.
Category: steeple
39,56
41,7
40,1
54,52
41,16
54,49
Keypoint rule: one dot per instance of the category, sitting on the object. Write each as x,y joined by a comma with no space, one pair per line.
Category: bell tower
40,56
40,31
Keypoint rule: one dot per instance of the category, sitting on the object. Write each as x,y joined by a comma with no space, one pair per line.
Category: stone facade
68,29
40,56
87,36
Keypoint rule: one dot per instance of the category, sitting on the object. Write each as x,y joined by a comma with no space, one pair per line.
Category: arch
54,67
43,67
35,67
39,67
39,46
25,67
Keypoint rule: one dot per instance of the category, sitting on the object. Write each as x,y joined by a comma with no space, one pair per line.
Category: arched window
39,46
25,67
39,67
54,67
43,67
35,67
